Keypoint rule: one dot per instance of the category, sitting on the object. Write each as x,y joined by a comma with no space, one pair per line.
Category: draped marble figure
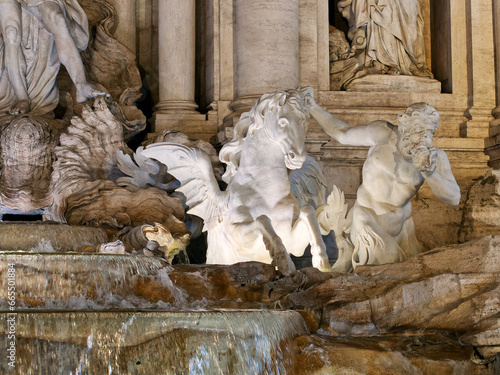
36,36
391,34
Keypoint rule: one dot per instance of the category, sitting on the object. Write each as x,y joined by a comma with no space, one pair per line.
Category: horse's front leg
261,228
305,231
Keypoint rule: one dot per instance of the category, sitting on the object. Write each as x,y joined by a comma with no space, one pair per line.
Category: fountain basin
48,236
153,342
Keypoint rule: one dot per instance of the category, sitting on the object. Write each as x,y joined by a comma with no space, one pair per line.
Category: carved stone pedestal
190,122
388,83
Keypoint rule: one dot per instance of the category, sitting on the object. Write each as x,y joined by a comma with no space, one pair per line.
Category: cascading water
156,342
79,313
83,281
90,313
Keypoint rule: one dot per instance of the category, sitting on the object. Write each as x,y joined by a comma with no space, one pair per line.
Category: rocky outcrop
482,208
478,214
389,355
454,290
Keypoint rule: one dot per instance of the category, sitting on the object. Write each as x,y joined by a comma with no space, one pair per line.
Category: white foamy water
91,282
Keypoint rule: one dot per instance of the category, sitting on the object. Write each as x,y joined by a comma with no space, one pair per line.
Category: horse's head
283,118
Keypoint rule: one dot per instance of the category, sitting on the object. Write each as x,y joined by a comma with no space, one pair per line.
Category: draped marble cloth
394,31
42,62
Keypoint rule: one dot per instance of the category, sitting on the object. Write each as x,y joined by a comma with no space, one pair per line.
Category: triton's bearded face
417,128
415,142
418,139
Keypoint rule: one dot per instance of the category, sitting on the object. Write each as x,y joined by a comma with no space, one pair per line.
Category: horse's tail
334,216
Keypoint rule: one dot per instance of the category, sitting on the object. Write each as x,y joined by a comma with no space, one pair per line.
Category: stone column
176,108
126,29
266,48
177,41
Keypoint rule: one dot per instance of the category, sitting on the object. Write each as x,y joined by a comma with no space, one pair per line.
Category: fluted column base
496,113
193,123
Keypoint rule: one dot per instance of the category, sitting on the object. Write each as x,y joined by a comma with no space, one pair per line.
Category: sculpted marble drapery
399,160
390,32
36,36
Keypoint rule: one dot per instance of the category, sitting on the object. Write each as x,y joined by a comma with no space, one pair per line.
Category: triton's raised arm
377,132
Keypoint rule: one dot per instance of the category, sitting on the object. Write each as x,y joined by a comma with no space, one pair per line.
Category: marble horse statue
256,218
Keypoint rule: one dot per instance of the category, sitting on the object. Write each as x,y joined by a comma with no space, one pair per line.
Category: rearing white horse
256,218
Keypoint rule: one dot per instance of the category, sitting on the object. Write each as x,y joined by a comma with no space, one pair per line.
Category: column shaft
266,36
126,29
177,53
496,27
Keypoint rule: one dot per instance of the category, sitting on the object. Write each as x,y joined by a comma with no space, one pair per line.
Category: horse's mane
249,122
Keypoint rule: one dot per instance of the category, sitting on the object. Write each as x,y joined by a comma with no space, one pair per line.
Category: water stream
71,281
154,342
95,314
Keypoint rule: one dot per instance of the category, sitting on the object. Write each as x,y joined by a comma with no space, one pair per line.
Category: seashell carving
26,156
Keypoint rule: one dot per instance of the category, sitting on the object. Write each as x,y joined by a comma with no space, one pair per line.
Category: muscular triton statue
399,160
66,21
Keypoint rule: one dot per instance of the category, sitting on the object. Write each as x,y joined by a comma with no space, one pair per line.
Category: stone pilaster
493,142
496,30
481,61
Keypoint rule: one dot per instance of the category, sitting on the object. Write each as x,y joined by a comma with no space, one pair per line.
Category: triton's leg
372,243
10,23
55,22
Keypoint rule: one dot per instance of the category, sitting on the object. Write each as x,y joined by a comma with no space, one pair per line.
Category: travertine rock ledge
454,290
48,236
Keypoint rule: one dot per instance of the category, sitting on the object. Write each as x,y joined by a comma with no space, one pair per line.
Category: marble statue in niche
399,160
36,36
386,37
256,218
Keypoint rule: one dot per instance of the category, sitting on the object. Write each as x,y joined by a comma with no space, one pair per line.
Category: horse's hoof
284,264
323,266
